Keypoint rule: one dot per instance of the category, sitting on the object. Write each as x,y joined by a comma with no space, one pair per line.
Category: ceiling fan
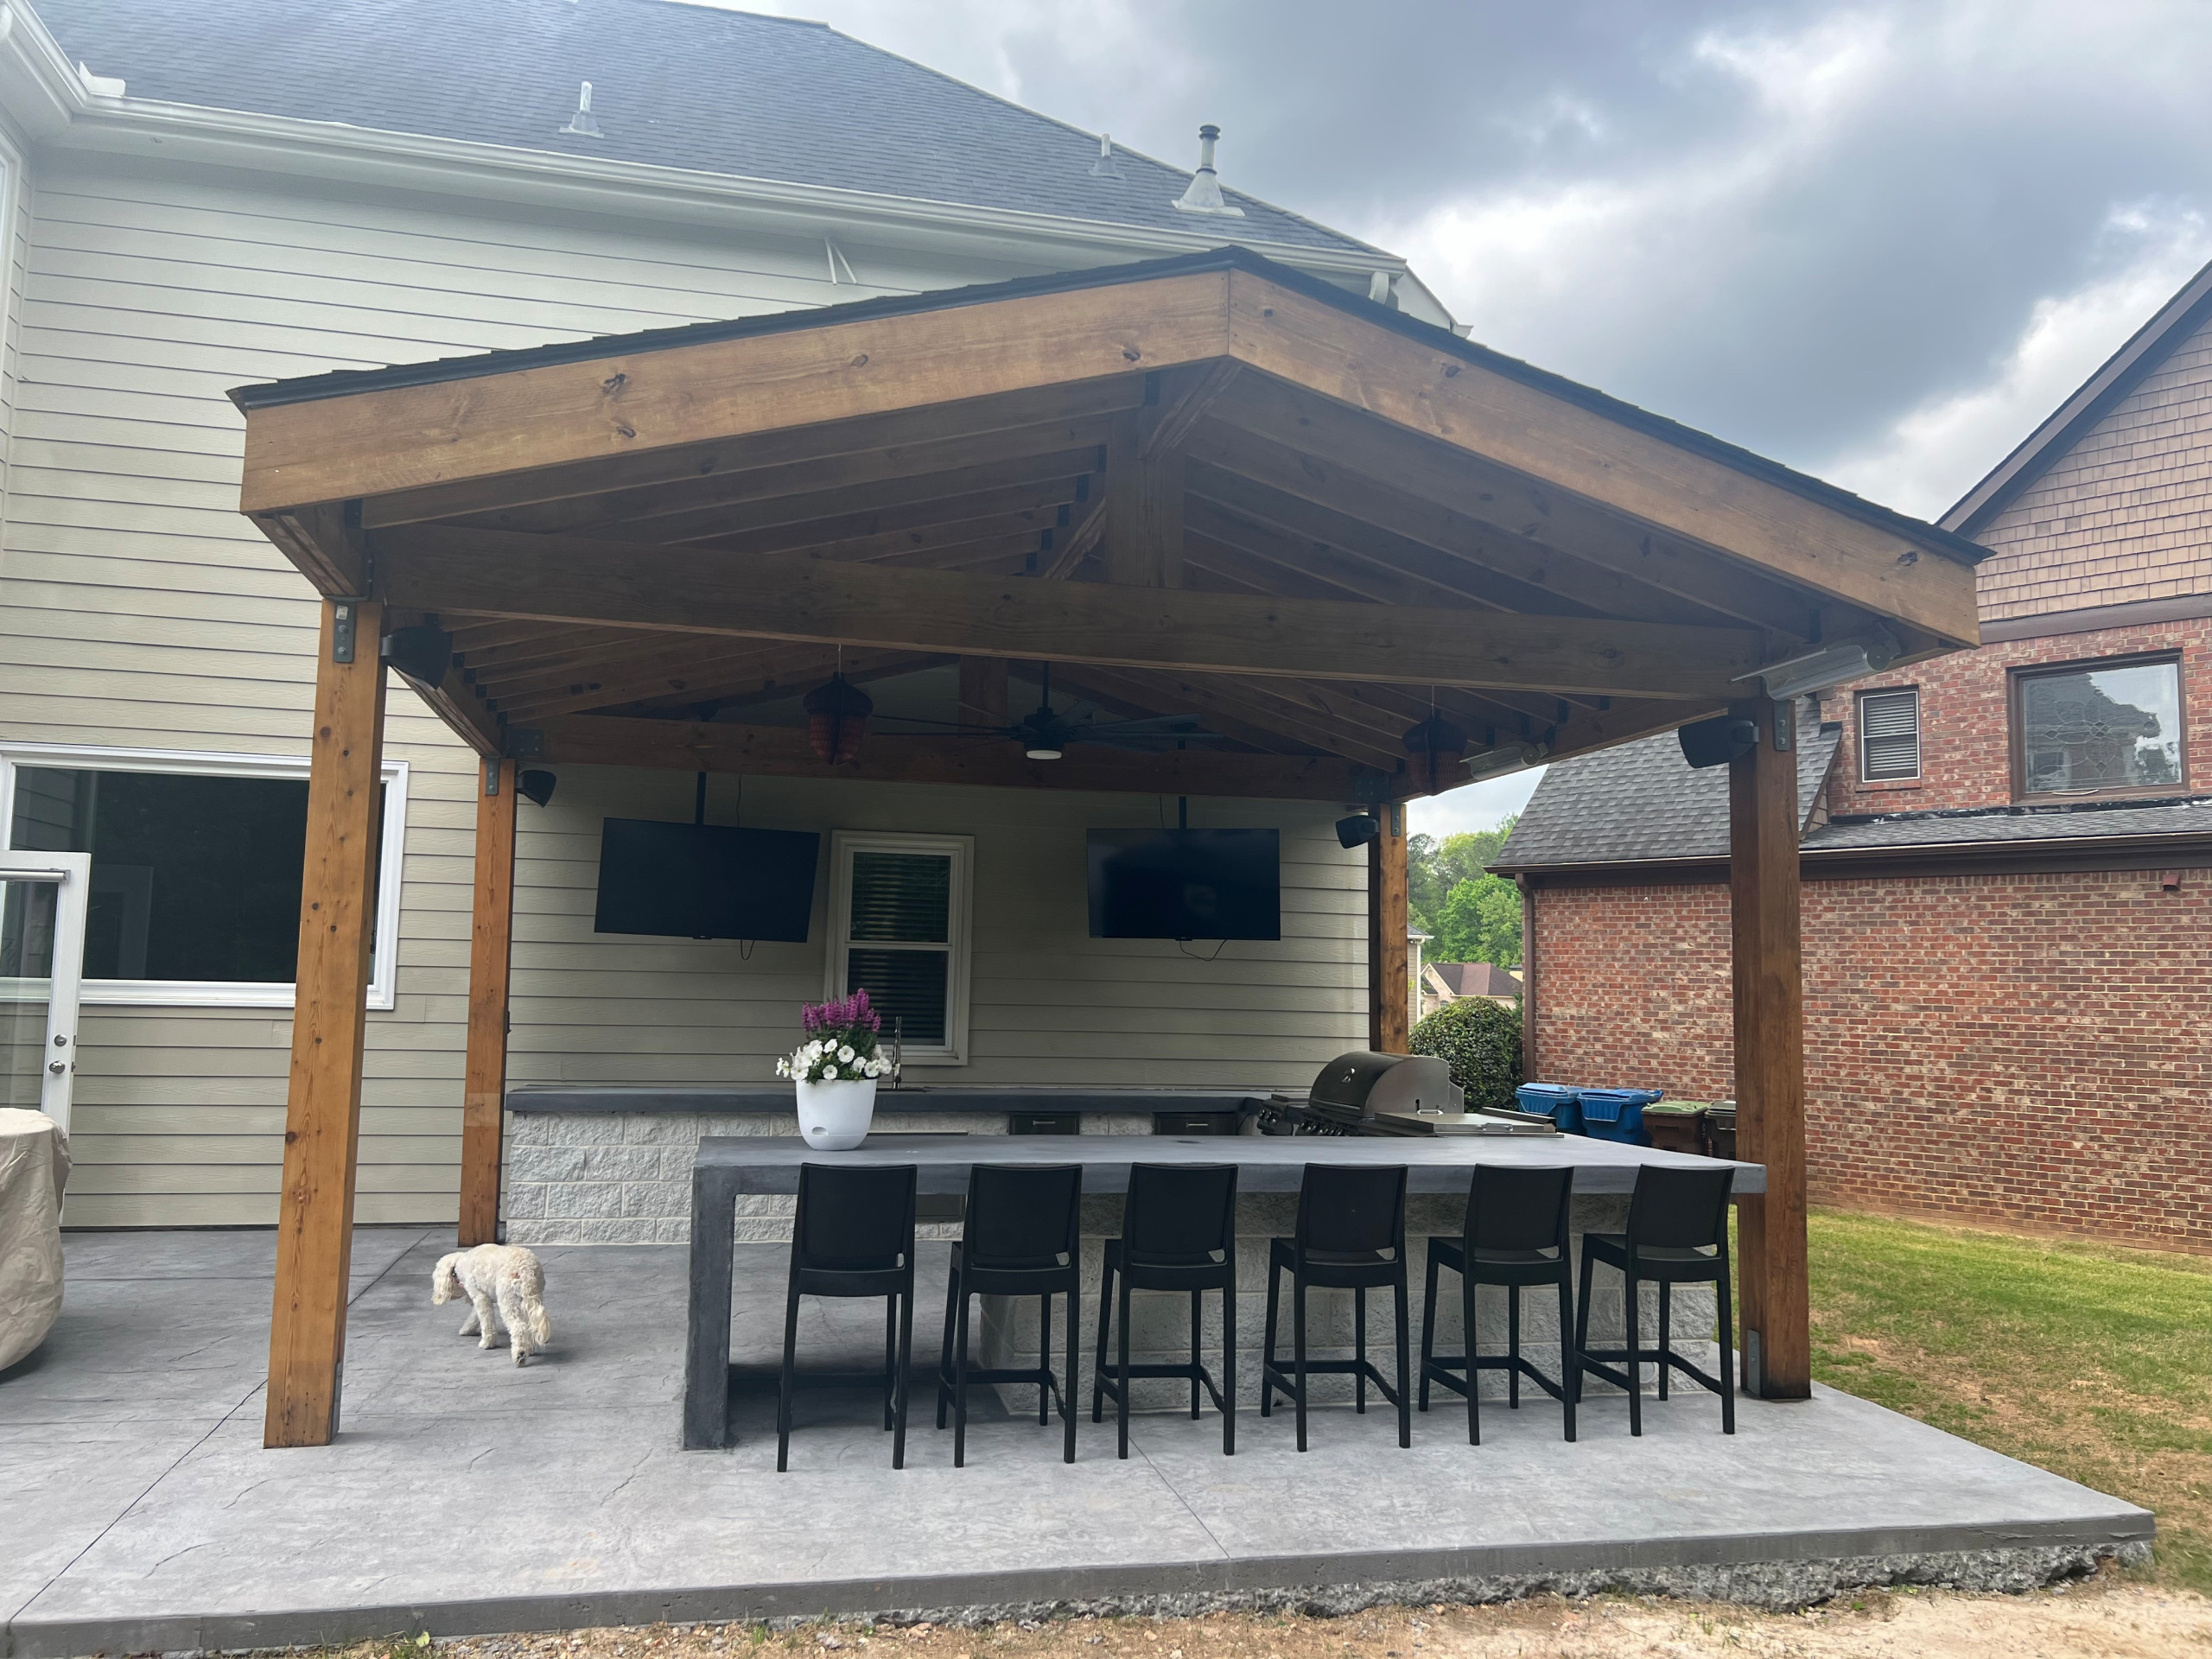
1046,732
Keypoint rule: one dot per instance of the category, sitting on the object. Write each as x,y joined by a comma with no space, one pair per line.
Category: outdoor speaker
421,653
1357,829
535,786
1717,742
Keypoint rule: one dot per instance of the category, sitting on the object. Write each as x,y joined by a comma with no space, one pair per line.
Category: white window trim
1919,754
843,843
384,981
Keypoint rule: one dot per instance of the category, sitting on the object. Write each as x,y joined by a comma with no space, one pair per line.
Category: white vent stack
97,86
580,124
1105,166
1205,194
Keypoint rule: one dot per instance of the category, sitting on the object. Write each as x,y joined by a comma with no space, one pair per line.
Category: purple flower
841,1017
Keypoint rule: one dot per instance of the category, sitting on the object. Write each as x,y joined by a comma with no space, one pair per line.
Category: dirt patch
2108,1619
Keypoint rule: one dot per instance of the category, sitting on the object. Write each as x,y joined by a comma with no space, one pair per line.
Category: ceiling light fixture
1826,665
837,720
1512,758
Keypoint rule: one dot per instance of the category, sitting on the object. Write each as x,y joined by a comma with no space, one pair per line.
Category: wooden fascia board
783,751
2090,855
788,597
559,415
1443,395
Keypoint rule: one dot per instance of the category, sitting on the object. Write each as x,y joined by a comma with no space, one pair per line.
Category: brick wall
1964,758
2120,516
2033,1051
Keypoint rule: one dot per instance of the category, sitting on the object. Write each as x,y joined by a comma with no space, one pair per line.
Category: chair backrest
1511,1208
852,1217
1023,1216
1349,1209
1179,1214
1680,1209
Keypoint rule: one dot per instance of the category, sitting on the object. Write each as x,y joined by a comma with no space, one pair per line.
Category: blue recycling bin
1560,1101
1618,1114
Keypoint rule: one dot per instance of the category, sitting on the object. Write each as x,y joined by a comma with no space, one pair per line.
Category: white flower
845,1053
813,1051
829,1074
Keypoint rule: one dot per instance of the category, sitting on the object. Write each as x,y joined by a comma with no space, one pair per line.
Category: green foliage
1480,1040
1470,915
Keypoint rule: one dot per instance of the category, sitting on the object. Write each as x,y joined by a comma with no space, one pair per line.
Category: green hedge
1480,1040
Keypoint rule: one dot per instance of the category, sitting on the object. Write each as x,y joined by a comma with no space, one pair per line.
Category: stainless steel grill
1367,1093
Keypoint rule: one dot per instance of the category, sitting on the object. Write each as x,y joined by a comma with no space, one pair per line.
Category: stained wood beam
792,597
1139,696
1269,560
457,701
491,954
1231,708
1509,423
1768,968
322,1109
324,542
780,751
1183,397
983,691
1389,970
876,533
792,677
1071,547
683,677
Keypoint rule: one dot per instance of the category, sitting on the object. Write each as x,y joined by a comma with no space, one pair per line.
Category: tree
1434,869
1481,923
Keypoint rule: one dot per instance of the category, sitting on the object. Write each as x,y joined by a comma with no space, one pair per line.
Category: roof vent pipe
1205,194
580,124
1104,167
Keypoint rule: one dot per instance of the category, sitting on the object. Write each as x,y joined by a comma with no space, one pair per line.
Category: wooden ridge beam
1231,708
782,751
879,531
784,596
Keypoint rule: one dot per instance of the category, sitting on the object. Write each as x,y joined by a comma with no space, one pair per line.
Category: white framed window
196,868
899,929
1889,736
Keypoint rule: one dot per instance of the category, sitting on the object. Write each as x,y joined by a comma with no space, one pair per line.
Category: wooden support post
491,950
1769,989
982,692
1143,539
1387,983
322,1115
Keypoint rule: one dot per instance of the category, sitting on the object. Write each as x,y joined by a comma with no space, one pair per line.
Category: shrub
1480,1040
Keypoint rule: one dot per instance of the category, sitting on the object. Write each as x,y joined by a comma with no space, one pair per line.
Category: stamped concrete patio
464,1495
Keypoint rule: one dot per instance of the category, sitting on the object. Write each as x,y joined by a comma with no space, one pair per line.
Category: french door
43,900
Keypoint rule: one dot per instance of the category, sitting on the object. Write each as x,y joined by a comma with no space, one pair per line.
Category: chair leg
1297,1343
1570,1361
890,1360
1582,1324
1727,1349
1427,1327
1229,1365
1513,1347
1633,1319
1268,1346
905,1364
1666,1323
945,1356
960,1388
1359,1349
1405,1343
1098,1365
1122,1402
1195,1340
783,1383
1474,1375
1067,1399
1043,1360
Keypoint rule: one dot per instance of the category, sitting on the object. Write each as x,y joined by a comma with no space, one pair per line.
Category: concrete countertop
923,1098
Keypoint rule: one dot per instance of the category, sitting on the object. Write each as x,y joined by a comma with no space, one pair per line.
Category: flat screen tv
1186,884
705,880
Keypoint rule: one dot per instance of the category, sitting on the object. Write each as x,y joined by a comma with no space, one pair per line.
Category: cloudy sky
1877,242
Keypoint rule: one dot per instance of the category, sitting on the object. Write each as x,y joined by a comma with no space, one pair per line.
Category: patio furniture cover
33,1172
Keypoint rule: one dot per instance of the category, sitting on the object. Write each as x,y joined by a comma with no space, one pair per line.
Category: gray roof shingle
1642,803
673,85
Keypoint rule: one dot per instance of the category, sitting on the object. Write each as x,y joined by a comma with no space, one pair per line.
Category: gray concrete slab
468,1495
225,1252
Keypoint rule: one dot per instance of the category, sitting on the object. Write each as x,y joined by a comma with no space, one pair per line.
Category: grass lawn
2091,1362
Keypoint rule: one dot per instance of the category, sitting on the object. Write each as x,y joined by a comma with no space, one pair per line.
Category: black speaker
535,786
1717,742
1357,829
422,653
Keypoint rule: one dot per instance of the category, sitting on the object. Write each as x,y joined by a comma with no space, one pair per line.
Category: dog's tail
445,1278
541,1325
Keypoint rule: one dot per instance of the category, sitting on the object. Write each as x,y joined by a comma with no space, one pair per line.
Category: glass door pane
30,912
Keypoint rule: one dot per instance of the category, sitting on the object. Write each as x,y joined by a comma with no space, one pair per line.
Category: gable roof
1475,979
673,85
1642,803
2179,318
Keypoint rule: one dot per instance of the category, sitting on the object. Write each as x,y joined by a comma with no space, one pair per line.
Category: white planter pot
834,1117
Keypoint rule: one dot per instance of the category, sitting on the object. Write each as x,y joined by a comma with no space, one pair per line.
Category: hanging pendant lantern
1436,747
837,720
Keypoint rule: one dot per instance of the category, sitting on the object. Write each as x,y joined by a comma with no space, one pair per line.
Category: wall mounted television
1186,884
705,880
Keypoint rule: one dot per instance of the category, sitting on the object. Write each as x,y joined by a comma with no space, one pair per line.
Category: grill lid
1355,1085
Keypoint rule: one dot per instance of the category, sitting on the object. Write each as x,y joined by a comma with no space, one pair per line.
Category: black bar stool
1021,1239
1352,1235
1677,1235
1178,1232
853,1237
1515,1235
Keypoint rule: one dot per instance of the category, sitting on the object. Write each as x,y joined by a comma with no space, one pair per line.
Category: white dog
502,1277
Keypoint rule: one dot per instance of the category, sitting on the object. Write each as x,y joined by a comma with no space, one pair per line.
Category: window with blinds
1889,736
899,923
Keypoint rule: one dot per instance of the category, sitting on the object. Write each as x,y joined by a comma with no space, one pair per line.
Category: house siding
2122,516
2025,1050
139,610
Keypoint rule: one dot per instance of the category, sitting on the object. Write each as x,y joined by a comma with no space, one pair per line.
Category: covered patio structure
1358,548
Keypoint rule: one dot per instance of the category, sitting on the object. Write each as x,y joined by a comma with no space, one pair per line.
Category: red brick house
2007,853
